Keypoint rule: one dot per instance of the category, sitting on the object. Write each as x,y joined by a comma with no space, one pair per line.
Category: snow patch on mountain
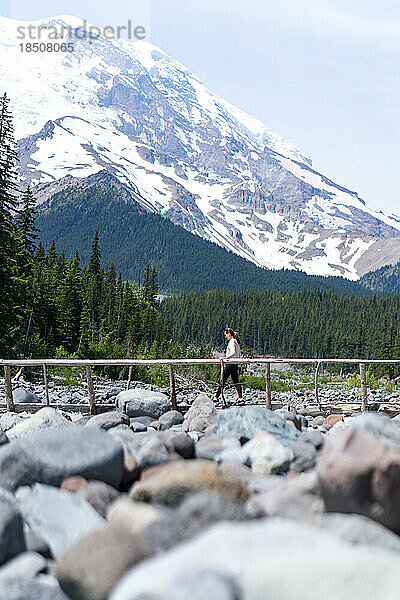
130,109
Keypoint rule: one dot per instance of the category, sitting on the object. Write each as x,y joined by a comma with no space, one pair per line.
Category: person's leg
225,375
235,379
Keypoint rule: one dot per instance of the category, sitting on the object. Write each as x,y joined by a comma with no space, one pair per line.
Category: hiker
232,351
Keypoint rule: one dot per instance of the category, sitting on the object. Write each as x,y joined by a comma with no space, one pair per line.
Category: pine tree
70,306
11,309
150,284
85,332
25,222
95,256
94,276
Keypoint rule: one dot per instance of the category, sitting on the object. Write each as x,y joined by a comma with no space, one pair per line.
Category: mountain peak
185,153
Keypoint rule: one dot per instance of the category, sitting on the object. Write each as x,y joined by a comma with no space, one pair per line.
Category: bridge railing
171,363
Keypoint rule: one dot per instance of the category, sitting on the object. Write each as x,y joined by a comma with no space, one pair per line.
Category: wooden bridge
171,363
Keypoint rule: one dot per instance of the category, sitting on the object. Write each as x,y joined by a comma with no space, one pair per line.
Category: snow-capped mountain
133,111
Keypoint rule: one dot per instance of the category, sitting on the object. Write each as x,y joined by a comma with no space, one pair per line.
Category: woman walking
232,370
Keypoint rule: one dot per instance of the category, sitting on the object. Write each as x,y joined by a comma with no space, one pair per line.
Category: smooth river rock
247,421
90,569
201,415
272,558
23,396
58,517
108,420
50,455
169,419
143,403
359,474
45,418
171,483
25,578
12,539
380,426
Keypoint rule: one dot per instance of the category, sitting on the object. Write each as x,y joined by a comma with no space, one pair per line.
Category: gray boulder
25,566
131,516
169,419
99,495
90,569
266,455
257,554
142,403
58,517
45,418
247,421
24,578
296,498
42,587
3,437
149,449
108,420
358,529
200,510
215,447
177,442
305,455
197,512
147,421
360,474
9,419
137,427
23,396
12,539
312,437
112,392
380,426
201,415
201,584
36,544
50,455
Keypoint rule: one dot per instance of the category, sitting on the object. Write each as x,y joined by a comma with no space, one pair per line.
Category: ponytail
234,334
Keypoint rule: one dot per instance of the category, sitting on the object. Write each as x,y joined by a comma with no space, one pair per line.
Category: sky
322,73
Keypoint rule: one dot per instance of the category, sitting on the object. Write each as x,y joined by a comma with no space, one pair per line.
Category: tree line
304,324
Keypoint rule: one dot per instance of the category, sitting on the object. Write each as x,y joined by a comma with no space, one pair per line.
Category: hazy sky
323,73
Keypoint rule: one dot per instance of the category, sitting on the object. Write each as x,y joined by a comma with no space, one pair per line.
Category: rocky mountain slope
183,152
384,280
130,236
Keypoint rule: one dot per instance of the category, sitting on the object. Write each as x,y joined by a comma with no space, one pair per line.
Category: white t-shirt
233,349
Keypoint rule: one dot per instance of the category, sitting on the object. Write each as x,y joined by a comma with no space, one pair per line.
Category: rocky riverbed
334,396
146,503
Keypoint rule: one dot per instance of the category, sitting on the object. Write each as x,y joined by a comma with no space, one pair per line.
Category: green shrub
355,382
66,375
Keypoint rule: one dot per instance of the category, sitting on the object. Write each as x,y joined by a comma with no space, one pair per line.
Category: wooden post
222,382
316,384
172,387
46,385
364,391
92,399
268,385
8,388
128,383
